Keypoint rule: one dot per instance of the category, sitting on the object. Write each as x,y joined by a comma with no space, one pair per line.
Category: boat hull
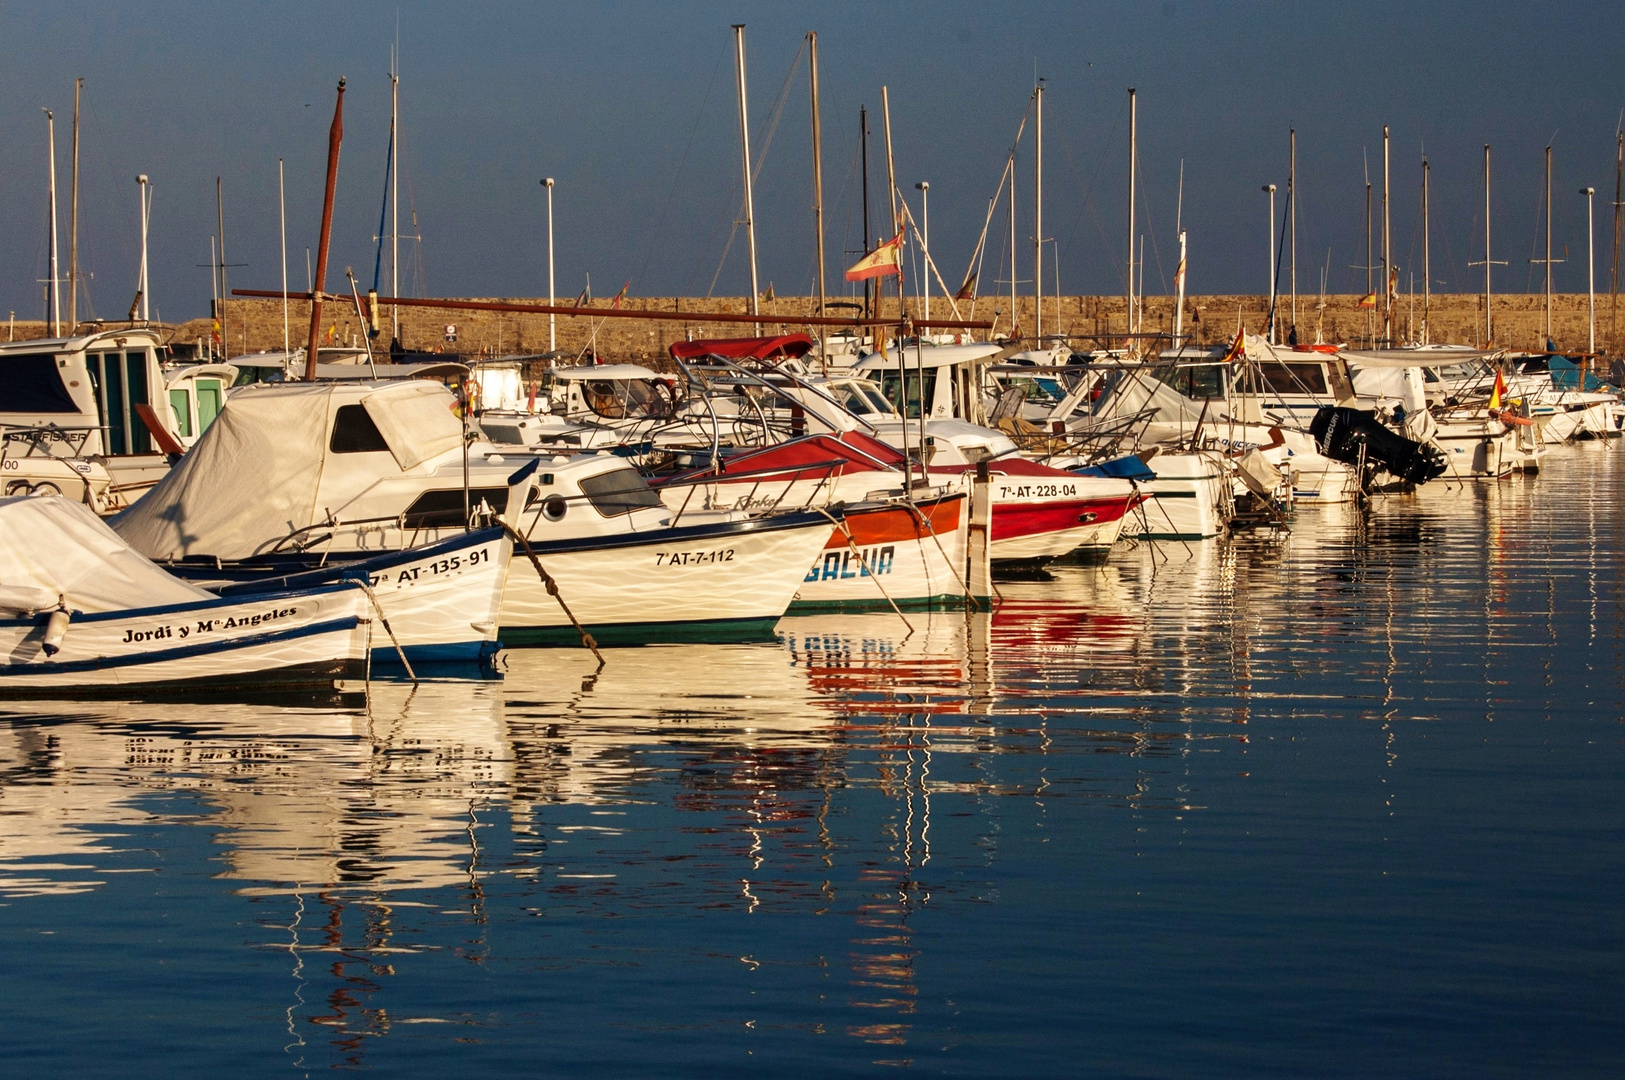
891,554
442,600
721,581
271,643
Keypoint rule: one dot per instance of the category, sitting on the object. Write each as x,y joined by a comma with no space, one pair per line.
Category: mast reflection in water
1335,801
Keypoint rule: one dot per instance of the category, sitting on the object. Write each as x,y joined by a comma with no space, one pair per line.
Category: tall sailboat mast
56,294
395,193
1387,251
744,145
1038,214
1292,205
863,147
73,218
1427,255
818,179
1133,148
1619,204
1548,260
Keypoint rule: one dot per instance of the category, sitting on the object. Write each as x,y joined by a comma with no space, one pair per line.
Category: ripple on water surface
1343,801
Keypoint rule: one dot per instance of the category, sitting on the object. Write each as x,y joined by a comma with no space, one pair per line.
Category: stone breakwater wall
253,325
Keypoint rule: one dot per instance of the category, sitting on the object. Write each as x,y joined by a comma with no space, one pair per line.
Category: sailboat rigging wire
383,210
677,177
760,156
1009,165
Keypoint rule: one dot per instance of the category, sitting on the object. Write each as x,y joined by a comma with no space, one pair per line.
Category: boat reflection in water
864,770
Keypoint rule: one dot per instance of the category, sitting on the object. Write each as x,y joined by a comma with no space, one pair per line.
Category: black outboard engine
1340,434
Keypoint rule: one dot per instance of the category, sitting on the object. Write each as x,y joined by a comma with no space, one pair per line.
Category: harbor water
1340,802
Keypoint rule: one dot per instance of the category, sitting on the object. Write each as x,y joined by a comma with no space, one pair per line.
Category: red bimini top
751,348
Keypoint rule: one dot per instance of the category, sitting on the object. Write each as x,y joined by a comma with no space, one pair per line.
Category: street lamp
144,187
1270,190
1591,276
552,319
924,188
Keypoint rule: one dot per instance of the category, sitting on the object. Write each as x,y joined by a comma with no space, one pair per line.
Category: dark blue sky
631,108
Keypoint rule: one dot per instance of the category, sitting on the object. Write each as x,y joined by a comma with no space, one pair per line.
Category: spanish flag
883,260
1369,300
967,291
1238,348
616,304
1497,393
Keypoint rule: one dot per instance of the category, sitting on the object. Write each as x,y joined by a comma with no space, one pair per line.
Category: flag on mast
883,260
1369,300
967,291
1498,393
616,305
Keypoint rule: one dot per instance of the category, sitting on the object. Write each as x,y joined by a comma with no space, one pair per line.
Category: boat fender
56,628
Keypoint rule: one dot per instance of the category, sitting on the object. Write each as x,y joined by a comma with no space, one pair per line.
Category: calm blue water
1344,803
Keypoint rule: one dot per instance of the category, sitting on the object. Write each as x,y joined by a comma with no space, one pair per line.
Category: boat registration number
1037,491
693,558
432,568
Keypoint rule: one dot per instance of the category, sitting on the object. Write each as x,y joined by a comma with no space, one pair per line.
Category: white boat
360,469
81,612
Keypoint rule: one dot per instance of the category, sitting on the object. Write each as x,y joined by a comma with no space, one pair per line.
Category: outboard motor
1342,433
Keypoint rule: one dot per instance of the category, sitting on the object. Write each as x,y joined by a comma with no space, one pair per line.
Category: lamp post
924,188
1269,189
142,186
1591,275
552,320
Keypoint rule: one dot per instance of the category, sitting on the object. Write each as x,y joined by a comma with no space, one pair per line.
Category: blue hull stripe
179,653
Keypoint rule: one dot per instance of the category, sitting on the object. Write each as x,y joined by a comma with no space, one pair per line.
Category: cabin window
443,509
355,433
1199,382
120,382
619,492
34,385
1284,379
180,407
211,398
891,384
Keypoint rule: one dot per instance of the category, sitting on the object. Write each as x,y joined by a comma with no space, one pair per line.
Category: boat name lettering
693,558
1037,491
208,626
835,565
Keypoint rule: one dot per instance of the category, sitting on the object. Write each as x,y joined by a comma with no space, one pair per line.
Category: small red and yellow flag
1498,393
1369,300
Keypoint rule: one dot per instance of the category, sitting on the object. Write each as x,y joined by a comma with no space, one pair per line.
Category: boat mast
145,189
863,146
1038,215
1015,322
744,145
220,212
1133,148
1179,273
1292,206
1427,255
818,181
1370,312
335,139
1489,325
1548,260
395,194
73,218
1619,202
56,293
1387,252
282,208
891,186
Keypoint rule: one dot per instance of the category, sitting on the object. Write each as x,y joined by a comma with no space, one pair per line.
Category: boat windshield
1199,381
891,385
860,398
1039,388
627,399
618,492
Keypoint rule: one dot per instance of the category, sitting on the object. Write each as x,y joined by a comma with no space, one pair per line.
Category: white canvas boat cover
258,470
1428,356
54,550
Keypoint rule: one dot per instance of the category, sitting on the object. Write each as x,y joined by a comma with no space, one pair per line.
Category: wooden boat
82,613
